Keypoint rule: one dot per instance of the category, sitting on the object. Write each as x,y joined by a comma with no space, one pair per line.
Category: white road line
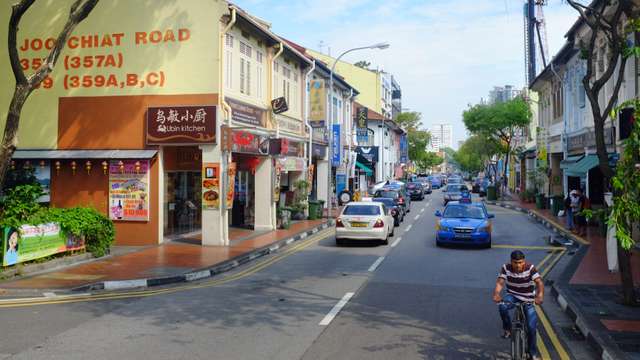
336,309
49,294
422,210
376,264
408,228
396,242
416,217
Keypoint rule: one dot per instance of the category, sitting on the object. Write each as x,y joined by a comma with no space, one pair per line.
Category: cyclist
524,284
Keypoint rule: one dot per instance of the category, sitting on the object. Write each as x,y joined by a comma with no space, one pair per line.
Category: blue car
464,223
436,182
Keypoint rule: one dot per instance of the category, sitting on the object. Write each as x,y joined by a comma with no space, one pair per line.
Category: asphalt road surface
408,300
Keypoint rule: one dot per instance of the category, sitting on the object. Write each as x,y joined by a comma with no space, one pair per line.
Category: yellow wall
189,66
367,82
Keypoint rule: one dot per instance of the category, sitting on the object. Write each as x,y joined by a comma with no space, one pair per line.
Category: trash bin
557,204
491,193
539,201
320,208
313,209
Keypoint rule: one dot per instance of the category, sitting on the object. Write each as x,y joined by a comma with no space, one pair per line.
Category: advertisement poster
129,190
231,176
31,242
310,177
211,185
276,182
43,177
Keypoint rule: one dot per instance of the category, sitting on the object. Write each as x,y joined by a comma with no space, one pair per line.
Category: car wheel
438,243
396,222
386,241
393,232
339,242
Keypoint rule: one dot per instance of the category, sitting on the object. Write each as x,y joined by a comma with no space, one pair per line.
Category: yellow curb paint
544,352
553,263
552,335
579,238
544,260
553,248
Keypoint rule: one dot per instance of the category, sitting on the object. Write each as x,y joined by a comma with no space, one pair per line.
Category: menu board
210,185
129,190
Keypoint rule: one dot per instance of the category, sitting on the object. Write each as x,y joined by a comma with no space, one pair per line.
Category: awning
569,161
364,168
582,166
84,154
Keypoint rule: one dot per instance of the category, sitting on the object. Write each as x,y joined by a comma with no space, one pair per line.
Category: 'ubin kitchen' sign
181,125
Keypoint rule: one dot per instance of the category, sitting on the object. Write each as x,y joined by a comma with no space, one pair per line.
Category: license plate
463,236
359,224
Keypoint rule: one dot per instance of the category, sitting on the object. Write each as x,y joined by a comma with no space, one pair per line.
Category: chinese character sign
129,190
317,103
335,147
181,125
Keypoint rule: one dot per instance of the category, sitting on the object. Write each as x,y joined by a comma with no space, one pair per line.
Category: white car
364,221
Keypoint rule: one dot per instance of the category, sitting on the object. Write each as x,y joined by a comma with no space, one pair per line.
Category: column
215,222
322,173
161,201
264,206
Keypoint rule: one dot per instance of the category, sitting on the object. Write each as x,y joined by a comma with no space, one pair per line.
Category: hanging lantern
27,164
104,167
87,165
253,164
121,166
57,164
42,164
137,165
74,165
13,165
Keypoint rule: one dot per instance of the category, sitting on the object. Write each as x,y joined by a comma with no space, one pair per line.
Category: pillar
322,171
215,221
265,217
162,214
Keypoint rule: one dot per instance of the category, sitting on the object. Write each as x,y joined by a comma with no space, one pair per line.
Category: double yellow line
147,293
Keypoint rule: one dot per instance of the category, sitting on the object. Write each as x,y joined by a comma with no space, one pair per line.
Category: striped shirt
520,285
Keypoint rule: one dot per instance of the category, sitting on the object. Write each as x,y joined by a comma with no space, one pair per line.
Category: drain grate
572,333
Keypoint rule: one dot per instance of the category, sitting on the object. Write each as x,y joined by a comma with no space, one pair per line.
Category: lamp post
380,46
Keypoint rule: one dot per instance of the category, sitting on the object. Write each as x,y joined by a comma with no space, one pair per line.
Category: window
245,68
228,61
259,74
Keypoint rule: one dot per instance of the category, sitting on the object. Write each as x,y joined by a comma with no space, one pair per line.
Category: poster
231,176
210,185
30,242
43,177
310,177
129,190
277,174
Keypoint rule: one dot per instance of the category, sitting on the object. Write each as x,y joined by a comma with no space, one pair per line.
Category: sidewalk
174,261
589,293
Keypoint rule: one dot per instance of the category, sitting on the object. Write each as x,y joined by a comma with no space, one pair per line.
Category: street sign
335,147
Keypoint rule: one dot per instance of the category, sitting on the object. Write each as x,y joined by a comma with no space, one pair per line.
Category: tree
417,138
363,64
474,153
497,123
25,85
609,22
429,160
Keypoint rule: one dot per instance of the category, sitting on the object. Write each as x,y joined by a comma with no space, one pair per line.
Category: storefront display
129,190
211,186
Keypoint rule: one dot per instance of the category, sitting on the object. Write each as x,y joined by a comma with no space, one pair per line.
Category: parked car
476,185
426,185
454,180
462,223
436,182
415,190
398,195
453,192
395,209
364,221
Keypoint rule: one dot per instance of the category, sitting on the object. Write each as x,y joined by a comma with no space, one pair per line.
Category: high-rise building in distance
441,137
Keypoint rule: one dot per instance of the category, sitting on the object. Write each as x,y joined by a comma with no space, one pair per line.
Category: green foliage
417,138
428,160
498,122
474,153
21,176
20,204
538,177
300,196
363,64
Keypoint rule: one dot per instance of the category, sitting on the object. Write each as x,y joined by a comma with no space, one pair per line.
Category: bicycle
519,332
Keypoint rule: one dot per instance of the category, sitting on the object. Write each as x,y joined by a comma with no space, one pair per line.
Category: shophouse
164,122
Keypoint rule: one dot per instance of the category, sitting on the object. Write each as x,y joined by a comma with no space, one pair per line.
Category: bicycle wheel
518,344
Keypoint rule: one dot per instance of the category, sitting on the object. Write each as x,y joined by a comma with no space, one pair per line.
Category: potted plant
300,201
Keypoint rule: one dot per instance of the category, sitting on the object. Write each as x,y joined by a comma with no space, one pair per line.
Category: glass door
183,206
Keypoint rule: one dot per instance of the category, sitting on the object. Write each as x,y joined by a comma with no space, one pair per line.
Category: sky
445,54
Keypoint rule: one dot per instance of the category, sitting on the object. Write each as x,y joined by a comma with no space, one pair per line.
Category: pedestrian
575,209
569,211
581,219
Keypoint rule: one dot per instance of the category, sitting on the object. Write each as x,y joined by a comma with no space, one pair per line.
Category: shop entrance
182,191
243,212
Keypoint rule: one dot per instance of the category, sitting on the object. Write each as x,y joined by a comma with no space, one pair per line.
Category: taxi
464,222
365,220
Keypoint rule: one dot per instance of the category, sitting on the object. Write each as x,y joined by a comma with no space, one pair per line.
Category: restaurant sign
290,125
248,143
181,125
290,163
285,146
368,152
247,114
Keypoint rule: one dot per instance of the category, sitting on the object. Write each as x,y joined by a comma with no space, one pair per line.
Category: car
476,185
389,184
464,223
426,184
454,180
436,182
453,192
398,195
395,210
364,221
415,190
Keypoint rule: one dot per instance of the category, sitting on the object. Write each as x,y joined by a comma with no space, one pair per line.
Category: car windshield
456,188
463,211
362,210
386,201
413,185
387,194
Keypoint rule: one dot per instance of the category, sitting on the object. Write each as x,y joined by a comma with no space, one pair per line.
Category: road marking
543,348
544,260
396,242
553,263
416,217
336,309
552,335
376,264
408,228
422,210
527,247
49,294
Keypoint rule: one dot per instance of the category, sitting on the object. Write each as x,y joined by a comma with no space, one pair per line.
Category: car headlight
484,229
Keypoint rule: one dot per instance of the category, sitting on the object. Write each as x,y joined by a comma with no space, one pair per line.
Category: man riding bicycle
524,284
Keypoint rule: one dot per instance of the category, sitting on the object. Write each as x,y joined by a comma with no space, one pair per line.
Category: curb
201,273
594,339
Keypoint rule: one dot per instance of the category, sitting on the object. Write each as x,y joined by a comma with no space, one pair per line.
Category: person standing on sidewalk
569,204
581,220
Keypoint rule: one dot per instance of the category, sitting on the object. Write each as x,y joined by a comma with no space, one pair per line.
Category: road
408,300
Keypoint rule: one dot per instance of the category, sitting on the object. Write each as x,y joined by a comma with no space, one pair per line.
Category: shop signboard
249,143
211,185
247,114
181,125
317,103
404,149
30,242
320,135
362,125
284,146
368,152
335,147
341,180
231,179
310,172
290,125
318,151
290,163
277,174
588,139
129,190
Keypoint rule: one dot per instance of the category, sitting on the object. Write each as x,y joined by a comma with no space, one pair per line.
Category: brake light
339,223
400,201
379,223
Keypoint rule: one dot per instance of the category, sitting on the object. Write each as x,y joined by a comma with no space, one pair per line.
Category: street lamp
381,46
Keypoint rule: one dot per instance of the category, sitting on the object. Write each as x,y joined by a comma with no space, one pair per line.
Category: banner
31,242
404,149
277,174
335,147
231,176
211,185
310,177
317,103
129,190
